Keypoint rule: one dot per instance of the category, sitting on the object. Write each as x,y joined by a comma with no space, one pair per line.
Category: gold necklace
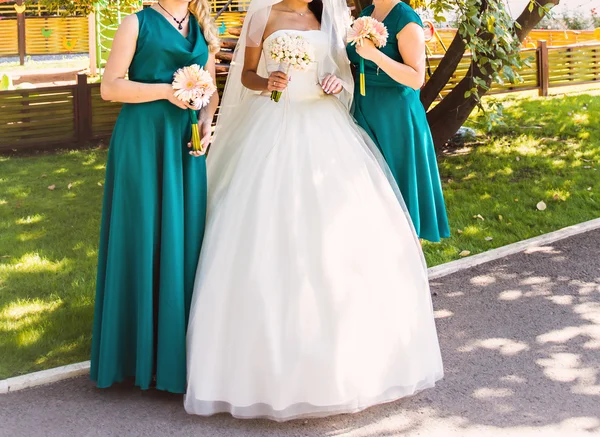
302,14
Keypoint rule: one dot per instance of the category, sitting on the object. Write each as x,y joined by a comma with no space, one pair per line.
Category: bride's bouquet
195,86
291,51
367,28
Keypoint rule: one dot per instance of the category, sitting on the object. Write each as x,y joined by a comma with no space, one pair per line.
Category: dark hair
316,7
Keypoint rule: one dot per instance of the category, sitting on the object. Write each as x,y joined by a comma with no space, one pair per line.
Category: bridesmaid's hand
332,85
367,50
277,81
205,134
169,95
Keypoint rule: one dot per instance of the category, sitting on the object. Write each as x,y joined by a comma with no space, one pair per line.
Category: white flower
293,50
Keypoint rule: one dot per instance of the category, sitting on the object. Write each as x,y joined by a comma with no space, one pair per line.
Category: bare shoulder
274,20
130,25
413,32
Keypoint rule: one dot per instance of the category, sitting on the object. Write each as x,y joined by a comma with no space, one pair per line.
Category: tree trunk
443,73
450,114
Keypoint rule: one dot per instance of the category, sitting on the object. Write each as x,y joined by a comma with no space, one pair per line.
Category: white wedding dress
311,296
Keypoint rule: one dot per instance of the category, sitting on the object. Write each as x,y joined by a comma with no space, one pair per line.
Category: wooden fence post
92,43
83,110
543,68
21,30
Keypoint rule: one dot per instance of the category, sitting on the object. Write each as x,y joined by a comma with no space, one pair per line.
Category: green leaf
5,82
470,29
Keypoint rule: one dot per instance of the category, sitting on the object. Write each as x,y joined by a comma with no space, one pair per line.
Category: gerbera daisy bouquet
195,86
367,28
291,51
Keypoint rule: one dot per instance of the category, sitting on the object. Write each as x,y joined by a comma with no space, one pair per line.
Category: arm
114,86
277,81
411,44
208,112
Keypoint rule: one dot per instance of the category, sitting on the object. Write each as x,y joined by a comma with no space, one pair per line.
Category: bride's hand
277,81
332,85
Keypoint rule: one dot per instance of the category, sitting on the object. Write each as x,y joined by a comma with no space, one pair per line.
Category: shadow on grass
548,151
48,249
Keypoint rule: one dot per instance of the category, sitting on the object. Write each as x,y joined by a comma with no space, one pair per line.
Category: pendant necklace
179,22
302,14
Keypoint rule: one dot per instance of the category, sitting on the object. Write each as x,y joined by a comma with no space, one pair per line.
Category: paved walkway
521,341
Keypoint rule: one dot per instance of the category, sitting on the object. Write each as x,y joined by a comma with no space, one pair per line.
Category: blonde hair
201,10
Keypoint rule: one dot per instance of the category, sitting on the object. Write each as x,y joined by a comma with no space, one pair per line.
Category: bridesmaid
154,198
394,117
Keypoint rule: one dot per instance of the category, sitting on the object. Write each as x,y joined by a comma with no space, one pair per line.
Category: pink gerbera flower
194,85
185,83
357,31
380,34
368,28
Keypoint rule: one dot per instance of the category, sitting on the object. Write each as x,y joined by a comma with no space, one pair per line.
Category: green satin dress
153,221
392,114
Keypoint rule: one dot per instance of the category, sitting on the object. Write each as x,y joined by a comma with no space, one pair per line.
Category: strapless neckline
289,30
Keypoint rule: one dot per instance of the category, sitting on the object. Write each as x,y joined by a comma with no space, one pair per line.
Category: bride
311,295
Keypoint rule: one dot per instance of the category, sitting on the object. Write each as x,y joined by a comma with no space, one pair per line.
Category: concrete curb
511,249
44,377
73,370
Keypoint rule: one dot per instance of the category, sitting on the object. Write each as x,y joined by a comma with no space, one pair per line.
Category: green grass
48,250
549,151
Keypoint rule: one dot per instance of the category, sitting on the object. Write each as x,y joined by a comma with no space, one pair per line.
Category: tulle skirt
311,295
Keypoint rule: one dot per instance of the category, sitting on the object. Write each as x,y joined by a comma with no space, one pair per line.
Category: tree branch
444,71
447,67
450,114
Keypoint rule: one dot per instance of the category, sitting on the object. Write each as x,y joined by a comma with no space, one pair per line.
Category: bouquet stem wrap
195,86
196,143
367,28
284,67
363,85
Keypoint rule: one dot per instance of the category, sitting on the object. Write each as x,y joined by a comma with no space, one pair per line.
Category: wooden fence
553,38
72,115
55,116
36,32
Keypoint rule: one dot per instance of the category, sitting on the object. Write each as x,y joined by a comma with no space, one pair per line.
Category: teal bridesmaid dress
153,221
392,114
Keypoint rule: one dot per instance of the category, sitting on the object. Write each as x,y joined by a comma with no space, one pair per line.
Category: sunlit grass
48,249
548,151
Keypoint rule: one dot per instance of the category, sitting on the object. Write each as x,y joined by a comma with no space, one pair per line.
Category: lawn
48,250
548,151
